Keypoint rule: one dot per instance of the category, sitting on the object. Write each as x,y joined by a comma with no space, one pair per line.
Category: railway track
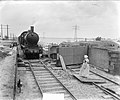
110,87
46,80
15,76
43,79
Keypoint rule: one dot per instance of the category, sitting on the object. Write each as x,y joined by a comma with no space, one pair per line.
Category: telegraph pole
75,35
2,27
7,32
1,32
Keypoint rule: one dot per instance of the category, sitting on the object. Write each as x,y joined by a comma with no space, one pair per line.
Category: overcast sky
57,18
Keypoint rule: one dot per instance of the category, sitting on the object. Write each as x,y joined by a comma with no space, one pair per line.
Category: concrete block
99,57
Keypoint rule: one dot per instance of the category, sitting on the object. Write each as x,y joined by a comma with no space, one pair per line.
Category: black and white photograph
60,50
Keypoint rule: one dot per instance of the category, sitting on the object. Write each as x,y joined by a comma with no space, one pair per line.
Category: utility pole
75,35
1,32
7,32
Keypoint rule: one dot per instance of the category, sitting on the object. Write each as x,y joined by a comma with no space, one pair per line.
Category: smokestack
32,28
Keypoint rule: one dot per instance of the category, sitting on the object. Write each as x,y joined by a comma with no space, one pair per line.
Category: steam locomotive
28,41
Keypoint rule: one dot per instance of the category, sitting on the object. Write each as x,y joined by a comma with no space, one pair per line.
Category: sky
58,18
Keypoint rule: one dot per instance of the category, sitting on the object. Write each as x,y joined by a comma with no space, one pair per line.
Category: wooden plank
62,63
107,96
88,80
57,68
21,68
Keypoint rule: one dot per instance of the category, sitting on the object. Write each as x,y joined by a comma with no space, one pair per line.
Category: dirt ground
7,64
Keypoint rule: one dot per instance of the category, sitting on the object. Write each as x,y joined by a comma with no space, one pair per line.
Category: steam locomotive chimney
32,28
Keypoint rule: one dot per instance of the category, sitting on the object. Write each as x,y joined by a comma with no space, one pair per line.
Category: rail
112,93
30,65
73,97
107,91
15,77
104,77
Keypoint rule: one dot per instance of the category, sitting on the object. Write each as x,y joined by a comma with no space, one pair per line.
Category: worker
84,70
19,85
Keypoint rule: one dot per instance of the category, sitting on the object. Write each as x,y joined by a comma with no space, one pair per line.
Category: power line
2,27
1,32
75,34
7,32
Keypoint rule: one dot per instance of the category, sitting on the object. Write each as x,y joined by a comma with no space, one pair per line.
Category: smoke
34,20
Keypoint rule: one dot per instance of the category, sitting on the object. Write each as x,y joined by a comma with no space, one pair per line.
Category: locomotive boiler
28,41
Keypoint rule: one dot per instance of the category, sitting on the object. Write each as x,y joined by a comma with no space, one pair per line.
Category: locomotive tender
28,41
